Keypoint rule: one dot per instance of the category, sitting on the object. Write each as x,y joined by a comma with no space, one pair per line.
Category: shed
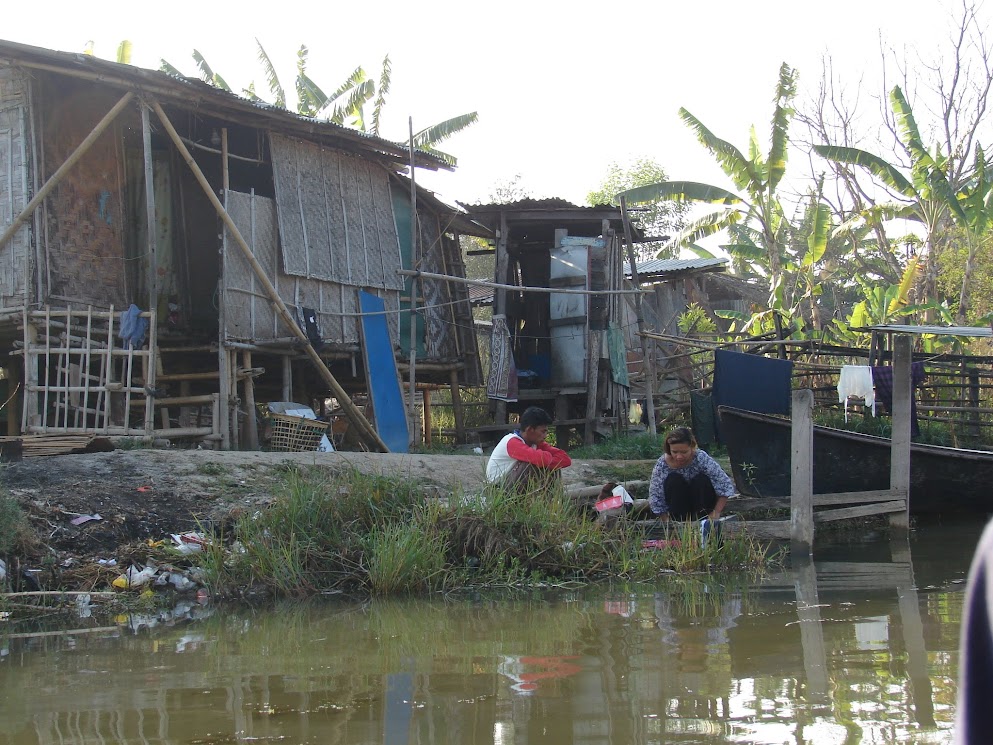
243,233
557,338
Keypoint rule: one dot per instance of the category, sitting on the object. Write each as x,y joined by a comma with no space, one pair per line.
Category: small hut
235,241
557,338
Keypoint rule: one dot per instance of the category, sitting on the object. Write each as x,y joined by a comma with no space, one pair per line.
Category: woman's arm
656,490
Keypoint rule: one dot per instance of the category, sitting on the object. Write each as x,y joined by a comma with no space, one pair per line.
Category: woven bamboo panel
329,225
14,189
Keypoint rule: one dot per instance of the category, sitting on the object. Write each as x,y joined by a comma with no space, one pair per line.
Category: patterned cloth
501,383
882,378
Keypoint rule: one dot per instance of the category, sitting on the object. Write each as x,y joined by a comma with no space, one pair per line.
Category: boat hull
942,480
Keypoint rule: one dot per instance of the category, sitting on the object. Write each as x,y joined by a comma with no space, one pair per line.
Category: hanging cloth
856,382
501,383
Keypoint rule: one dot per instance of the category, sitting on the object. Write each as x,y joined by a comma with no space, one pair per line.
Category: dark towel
752,382
704,417
882,381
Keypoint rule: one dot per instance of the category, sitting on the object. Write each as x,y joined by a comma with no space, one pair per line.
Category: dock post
900,442
802,474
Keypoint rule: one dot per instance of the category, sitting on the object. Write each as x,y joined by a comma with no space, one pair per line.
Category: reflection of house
571,258
129,164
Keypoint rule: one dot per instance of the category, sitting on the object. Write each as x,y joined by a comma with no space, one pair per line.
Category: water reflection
858,646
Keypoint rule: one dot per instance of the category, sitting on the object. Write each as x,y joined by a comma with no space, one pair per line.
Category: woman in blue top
687,484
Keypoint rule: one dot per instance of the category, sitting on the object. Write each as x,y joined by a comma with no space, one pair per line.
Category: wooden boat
942,479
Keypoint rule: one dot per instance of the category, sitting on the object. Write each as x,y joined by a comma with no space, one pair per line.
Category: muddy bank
147,495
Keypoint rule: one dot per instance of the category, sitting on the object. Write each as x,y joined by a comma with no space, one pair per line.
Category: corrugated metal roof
974,331
659,267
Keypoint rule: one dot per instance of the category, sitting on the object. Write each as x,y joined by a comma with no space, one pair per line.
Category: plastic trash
134,577
80,519
189,543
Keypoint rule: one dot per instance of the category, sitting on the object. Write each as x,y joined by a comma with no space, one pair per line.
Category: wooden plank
861,511
749,504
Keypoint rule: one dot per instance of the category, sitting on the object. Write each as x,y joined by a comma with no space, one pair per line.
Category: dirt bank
150,494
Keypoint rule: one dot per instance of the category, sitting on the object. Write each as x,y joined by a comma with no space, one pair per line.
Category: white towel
856,381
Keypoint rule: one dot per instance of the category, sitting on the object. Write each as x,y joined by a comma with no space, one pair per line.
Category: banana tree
976,200
753,215
345,105
924,196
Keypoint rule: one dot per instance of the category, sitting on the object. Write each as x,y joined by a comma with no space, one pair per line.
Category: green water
859,647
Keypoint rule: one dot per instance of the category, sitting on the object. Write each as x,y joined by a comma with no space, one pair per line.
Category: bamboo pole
649,362
57,177
150,223
355,416
514,288
415,264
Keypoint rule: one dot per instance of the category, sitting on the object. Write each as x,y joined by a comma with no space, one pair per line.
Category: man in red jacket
523,456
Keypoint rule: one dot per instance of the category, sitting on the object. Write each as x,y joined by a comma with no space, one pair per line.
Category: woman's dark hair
535,416
679,436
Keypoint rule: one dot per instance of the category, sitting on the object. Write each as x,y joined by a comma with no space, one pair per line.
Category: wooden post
457,410
362,425
78,153
802,474
16,397
251,431
150,222
500,298
900,442
561,415
595,340
234,405
426,398
287,392
648,365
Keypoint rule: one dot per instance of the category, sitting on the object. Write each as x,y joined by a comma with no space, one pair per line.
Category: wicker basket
295,434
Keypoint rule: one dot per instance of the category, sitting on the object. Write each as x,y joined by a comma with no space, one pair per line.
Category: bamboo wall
14,187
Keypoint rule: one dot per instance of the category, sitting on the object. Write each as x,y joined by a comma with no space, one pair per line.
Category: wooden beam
802,473
57,177
864,510
150,222
900,443
362,425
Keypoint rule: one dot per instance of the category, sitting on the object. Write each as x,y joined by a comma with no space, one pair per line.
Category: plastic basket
295,434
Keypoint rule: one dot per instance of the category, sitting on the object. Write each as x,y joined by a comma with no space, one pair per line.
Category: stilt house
242,234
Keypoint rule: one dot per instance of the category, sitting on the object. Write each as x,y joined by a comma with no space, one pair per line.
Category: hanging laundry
501,383
133,327
752,382
856,382
882,378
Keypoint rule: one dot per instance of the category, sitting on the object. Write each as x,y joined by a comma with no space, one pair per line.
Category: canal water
859,646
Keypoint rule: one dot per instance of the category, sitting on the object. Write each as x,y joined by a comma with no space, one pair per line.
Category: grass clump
14,530
381,535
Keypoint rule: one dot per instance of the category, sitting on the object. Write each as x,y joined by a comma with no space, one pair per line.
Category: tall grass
372,534
13,525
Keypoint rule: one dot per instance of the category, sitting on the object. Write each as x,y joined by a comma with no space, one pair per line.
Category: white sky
562,88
